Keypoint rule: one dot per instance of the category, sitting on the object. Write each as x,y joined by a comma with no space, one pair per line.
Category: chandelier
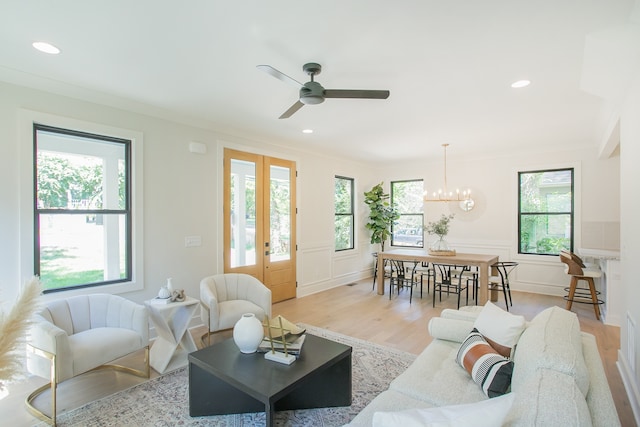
443,194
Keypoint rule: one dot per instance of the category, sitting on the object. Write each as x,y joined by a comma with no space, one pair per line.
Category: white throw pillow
486,413
499,326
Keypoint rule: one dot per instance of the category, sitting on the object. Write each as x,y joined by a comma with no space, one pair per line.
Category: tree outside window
344,214
407,199
546,209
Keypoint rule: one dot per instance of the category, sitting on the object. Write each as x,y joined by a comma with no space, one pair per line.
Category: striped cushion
491,371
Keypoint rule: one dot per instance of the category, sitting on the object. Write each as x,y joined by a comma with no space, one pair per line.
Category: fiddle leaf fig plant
381,216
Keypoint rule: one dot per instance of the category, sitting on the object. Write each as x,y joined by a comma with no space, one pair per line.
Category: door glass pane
280,213
243,213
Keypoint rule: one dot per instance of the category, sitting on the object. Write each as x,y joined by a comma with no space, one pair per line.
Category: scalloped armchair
226,297
75,335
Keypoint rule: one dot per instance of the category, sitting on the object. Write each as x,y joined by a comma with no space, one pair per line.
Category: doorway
260,220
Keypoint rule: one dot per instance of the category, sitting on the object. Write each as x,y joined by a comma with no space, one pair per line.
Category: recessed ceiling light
520,83
307,131
46,47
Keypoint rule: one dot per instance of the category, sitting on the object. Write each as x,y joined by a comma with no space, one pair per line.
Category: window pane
407,198
82,215
344,218
545,234
546,191
343,196
72,249
407,231
546,211
344,225
243,213
280,214
75,172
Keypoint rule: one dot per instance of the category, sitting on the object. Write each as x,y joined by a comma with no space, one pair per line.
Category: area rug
164,401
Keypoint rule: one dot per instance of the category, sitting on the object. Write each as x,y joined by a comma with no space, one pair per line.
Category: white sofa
558,377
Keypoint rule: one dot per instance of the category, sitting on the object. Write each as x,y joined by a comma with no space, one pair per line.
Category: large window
407,198
344,224
82,209
545,208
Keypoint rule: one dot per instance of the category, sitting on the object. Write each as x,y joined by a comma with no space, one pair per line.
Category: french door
260,220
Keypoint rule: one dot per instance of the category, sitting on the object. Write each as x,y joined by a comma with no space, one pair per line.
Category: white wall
492,227
629,356
182,198
182,192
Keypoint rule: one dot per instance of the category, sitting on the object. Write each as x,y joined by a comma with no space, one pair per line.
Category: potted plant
440,228
381,215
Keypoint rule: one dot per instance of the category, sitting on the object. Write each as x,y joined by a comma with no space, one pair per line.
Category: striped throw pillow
490,370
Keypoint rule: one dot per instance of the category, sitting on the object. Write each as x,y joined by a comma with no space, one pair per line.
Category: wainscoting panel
315,265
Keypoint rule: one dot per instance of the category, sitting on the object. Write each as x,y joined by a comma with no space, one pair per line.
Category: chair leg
572,292
594,297
434,295
506,301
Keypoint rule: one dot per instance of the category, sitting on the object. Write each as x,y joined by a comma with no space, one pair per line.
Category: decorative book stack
283,340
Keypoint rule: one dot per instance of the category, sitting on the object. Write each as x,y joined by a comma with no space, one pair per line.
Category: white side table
174,342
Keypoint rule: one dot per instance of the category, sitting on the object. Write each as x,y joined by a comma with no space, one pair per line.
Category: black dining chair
404,276
449,278
501,281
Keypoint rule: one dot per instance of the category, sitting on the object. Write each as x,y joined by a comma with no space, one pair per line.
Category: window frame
350,213
572,213
420,214
26,120
38,211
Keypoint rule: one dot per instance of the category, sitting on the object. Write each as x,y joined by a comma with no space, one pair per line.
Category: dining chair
387,269
449,279
423,269
576,293
501,280
404,276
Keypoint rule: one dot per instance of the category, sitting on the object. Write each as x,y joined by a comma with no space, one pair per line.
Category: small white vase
248,333
170,285
164,293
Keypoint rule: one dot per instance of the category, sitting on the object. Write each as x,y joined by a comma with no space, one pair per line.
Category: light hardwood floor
355,310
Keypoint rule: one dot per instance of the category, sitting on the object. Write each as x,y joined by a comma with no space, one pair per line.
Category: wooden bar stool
577,294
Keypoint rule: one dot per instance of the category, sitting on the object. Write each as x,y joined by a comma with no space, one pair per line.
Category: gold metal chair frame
207,335
54,381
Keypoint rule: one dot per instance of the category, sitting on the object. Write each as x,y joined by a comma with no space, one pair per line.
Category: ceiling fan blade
295,107
356,93
279,75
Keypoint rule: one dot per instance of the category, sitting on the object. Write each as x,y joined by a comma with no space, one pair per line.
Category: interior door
260,220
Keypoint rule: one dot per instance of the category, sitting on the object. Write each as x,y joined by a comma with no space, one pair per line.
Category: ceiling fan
312,92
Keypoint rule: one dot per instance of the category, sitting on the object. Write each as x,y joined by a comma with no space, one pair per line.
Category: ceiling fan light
311,99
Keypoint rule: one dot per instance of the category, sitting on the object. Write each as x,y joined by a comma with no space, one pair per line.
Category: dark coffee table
224,381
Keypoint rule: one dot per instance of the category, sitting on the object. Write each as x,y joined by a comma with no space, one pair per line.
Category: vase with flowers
440,228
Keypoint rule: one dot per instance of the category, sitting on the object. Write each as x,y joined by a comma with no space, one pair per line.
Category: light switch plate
191,241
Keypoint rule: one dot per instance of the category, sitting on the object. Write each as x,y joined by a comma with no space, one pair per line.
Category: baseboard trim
630,386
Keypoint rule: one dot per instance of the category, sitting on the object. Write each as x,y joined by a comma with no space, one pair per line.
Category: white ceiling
448,64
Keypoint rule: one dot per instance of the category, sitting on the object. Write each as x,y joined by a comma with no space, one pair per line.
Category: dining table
482,261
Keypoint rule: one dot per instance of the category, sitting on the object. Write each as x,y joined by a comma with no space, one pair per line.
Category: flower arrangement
440,227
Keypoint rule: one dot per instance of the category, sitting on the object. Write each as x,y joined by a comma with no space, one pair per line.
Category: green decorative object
381,216
440,228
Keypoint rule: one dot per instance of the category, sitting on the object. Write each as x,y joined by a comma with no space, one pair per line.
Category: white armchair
74,335
226,297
